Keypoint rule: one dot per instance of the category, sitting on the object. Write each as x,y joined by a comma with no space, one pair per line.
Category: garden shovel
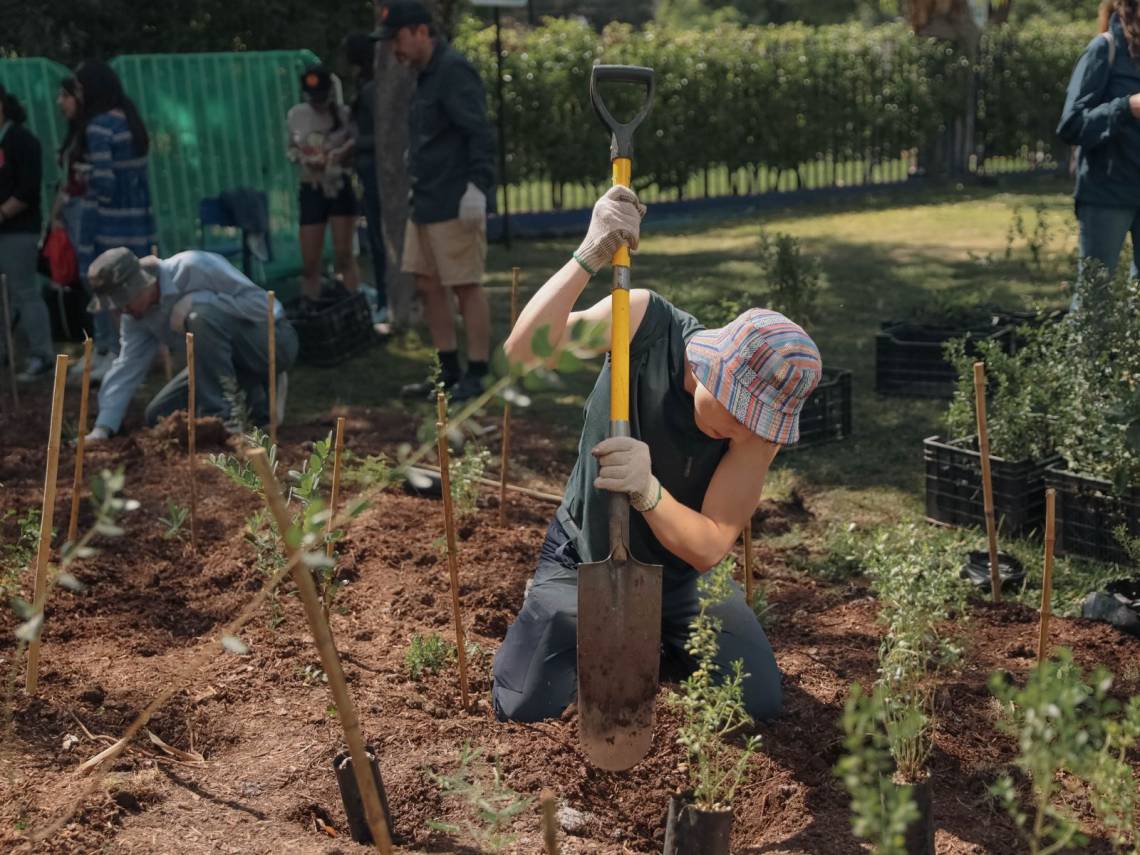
619,599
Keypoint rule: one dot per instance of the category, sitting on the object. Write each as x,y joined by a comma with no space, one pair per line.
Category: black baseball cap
398,14
316,82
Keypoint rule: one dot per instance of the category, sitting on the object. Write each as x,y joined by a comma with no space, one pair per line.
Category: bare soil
263,721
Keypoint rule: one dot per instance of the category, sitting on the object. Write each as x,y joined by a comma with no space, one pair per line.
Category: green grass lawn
884,256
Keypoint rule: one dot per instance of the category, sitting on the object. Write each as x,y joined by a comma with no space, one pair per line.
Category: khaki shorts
453,251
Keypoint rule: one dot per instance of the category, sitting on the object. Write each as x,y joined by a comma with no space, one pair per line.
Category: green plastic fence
217,122
35,82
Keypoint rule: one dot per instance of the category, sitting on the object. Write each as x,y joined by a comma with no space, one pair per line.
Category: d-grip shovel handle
622,144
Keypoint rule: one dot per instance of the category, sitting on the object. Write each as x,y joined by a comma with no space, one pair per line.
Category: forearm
689,534
11,207
550,308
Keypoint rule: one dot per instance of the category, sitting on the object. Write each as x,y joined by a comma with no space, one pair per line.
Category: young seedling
427,654
489,804
449,530
191,439
712,704
987,479
175,518
47,514
18,553
465,476
330,661
80,441
10,341
507,410
272,328
1047,575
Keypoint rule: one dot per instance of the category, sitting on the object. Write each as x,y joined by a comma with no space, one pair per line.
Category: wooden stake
10,340
449,528
338,449
330,662
549,823
47,515
192,439
987,480
272,370
748,562
80,442
507,409
1047,576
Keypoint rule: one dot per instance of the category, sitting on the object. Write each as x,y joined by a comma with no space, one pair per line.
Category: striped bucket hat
762,368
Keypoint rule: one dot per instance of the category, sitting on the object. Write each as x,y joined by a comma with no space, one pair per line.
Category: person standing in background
451,164
21,177
108,136
360,50
320,141
1102,116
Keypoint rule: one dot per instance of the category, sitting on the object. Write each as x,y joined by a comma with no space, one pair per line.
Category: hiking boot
35,368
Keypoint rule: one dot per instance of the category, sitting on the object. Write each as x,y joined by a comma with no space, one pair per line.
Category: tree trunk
394,87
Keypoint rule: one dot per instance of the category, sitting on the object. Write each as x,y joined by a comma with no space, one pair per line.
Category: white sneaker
282,392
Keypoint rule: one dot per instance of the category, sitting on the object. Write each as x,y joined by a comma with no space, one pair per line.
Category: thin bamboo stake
554,498
47,515
452,558
272,369
987,479
338,450
192,439
507,410
330,662
748,562
1047,576
80,441
10,340
549,823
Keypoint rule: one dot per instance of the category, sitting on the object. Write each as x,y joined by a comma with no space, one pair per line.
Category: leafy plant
18,553
465,472
1065,724
427,654
712,703
238,469
1037,238
794,279
371,472
881,810
489,804
175,518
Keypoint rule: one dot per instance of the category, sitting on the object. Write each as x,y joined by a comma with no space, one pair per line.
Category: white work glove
98,434
624,466
473,206
616,220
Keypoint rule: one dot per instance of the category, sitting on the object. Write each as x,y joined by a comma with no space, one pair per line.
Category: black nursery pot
920,833
690,831
350,795
977,570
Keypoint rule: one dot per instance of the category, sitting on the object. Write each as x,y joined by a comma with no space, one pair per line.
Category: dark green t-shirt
661,415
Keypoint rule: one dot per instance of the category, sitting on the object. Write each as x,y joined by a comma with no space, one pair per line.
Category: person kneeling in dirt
709,411
162,300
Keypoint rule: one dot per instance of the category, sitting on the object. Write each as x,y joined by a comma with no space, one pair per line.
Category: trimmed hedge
777,97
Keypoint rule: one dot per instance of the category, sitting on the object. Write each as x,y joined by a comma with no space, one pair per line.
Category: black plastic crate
909,360
1088,514
954,493
330,330
826,415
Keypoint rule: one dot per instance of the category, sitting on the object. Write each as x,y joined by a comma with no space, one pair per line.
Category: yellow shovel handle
619,333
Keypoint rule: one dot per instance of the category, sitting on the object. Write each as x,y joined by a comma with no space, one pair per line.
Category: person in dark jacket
21,174
451,157
1102,116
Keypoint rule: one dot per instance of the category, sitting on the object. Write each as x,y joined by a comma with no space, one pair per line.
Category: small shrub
366,473
712,704
794,279
18,553
489,805
427,654
465,472
175,519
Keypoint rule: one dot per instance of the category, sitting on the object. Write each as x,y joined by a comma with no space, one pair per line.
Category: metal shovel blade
619,657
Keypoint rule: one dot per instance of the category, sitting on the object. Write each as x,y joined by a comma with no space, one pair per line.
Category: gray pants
225,346
536,668
18,253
